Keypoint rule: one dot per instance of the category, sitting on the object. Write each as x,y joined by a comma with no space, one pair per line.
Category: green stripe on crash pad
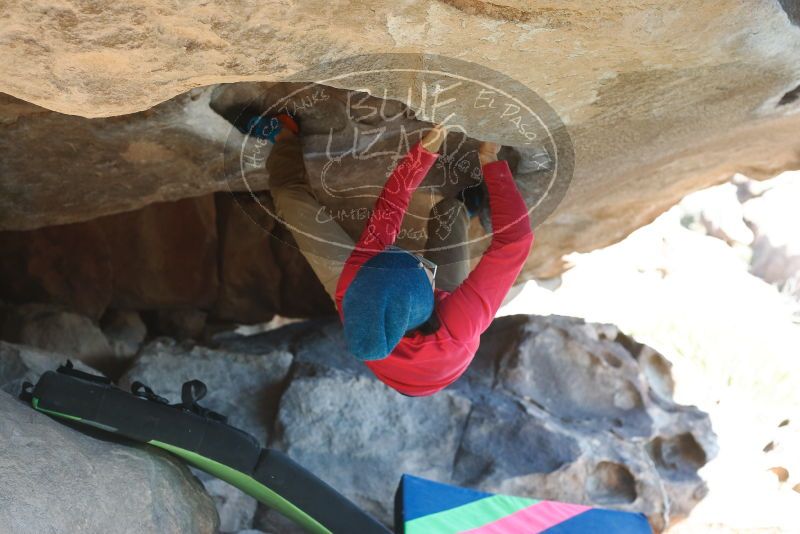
469,516
248,485
244,482
101,426
35,404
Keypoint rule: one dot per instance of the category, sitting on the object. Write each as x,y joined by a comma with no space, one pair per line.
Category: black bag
202,438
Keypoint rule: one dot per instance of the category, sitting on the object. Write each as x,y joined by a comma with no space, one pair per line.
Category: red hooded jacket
424,364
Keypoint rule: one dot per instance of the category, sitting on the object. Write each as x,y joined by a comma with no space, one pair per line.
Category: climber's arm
384,223
469,310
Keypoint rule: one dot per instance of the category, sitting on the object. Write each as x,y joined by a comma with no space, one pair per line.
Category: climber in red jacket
415,325
385,333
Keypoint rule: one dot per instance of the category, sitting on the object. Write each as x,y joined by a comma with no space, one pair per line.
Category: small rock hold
611,483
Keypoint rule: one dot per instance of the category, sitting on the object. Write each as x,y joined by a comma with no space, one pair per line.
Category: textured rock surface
244,387
118,164
164,255
236,509
186,323
660,99
56,329
601,447
361,438
125,332
21,363
165,258
66,265
56,479
118,64
622,443
634,451
261,271
187,509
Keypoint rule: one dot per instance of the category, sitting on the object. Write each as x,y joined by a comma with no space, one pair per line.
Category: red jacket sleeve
471,307
384,223
390,208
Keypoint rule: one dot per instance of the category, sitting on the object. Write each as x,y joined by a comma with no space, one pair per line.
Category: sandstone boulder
119,164
54,329
22,363
68,265
162,256
262,273
57,479
165,259
657,105
125,331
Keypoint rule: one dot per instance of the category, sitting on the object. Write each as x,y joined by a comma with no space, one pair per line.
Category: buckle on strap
145,392
191,392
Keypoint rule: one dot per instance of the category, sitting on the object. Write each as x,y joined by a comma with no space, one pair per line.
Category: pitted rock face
569,443
598,385
298,390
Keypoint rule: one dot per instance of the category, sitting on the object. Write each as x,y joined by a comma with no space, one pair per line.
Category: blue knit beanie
389,295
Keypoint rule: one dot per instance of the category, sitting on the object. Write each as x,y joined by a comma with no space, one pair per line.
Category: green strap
35,404
248,485
244,482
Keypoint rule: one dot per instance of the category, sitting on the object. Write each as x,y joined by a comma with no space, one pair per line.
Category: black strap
191,392
140,390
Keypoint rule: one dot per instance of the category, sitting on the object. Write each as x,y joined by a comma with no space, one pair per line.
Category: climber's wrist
487,152
486,159
433,140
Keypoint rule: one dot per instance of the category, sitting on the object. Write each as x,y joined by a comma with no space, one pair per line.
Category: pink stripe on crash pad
533,519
